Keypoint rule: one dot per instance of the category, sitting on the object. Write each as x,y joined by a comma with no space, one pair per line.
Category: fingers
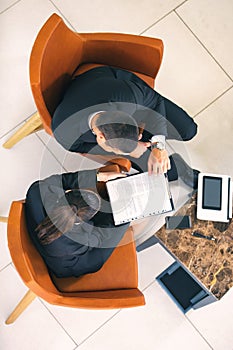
158,165
154,168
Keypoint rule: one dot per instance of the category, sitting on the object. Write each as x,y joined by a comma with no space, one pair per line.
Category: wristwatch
159,145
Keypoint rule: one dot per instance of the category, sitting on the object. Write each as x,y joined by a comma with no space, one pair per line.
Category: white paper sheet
139,196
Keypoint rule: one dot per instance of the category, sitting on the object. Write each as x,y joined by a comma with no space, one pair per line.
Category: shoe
185,172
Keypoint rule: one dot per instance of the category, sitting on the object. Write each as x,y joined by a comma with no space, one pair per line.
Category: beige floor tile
151,262
5,257
23,164
20,25
5,4
188,75
36,328
80,323
158,325
211,21
214,322
115,16
212,149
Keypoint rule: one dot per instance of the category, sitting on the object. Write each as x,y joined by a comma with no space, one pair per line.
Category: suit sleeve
46,192
151,121
72,180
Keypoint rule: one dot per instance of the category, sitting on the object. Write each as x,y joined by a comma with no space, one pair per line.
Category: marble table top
211,261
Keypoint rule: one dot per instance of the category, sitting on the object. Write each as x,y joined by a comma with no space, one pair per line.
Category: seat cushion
87,66
120,271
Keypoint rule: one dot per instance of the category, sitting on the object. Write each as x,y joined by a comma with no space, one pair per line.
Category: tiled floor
196,72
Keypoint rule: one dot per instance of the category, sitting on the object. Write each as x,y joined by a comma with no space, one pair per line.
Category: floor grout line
62,15
17,125
6,9
51,152
213,101
153,24
200,42
43,303
161,18
103,324
199,332
180,4
3,268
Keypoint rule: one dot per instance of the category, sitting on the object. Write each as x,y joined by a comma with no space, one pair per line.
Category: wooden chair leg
3,219
33,124
41,127
23,304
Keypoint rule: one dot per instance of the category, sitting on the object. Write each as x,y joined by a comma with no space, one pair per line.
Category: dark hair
75,206
120,130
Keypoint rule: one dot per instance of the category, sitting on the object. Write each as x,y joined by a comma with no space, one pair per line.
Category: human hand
140,149
109,175
158,162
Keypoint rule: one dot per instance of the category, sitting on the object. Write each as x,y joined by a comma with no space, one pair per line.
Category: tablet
214,197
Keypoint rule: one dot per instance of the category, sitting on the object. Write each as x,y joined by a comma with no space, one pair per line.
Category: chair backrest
74,292
55,55
58,52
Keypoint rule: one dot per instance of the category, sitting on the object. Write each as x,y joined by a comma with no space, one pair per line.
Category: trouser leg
172,174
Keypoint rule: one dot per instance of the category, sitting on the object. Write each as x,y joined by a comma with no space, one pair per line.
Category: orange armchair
113,286
59,54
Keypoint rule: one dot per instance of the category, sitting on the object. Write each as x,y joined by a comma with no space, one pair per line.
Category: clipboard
138,196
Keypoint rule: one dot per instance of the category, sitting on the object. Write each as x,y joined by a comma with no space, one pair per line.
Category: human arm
153,121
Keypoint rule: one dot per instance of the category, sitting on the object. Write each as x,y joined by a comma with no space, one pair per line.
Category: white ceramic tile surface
36,328
211,21
215,322
20,25
188,75
78,323
158,325
6,4
5,257
212,149
23,164
114,16
151,262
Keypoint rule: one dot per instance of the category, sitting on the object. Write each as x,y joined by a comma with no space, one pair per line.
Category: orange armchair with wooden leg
113,286
59,54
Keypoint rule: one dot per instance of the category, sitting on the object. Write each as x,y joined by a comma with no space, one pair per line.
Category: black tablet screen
212,193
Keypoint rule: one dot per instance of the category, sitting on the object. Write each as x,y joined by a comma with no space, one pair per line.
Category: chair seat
125,271
87,66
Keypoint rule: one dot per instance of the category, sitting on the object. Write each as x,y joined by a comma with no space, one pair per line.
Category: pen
200,235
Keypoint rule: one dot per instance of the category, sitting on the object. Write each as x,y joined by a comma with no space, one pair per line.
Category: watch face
158,145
